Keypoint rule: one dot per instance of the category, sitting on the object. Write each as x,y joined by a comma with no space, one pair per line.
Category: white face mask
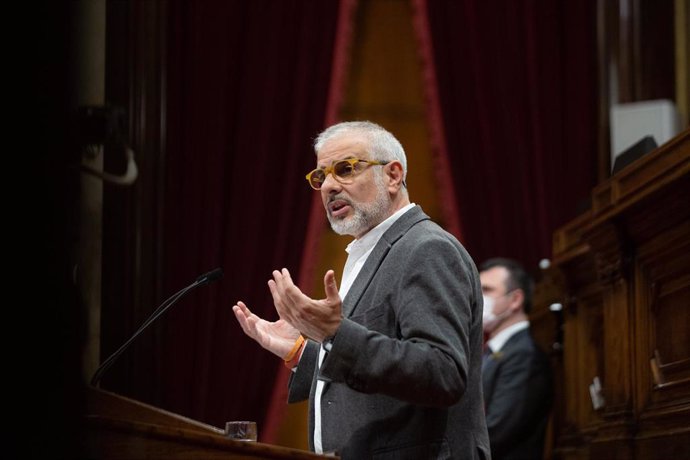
488,315
489,318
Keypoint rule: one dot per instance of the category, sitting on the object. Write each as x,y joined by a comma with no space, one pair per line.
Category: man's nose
330,183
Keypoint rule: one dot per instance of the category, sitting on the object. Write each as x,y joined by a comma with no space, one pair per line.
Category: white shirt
357,253
500,339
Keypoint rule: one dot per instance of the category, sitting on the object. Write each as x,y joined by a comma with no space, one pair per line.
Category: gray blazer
403,378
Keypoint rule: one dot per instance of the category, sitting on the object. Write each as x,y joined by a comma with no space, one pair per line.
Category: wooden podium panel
623,271
121,428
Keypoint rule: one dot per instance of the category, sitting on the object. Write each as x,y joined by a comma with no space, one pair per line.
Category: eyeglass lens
342,169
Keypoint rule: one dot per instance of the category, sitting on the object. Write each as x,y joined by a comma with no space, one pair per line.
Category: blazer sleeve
299,384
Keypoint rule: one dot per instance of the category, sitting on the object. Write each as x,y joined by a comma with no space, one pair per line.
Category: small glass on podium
241,430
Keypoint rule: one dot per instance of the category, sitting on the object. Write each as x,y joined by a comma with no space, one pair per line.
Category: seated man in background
516,373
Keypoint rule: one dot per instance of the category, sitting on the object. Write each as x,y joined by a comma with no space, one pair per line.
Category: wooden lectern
121,428
620,277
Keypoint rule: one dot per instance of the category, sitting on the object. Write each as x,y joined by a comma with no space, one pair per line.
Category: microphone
206,278
210,276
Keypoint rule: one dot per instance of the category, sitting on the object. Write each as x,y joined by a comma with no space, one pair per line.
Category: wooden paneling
623,270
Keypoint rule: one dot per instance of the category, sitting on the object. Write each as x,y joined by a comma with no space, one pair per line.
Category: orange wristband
294,353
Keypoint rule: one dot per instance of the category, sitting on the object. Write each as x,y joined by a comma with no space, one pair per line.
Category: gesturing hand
278,337
316,319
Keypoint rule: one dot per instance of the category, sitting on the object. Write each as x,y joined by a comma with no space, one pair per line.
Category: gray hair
384,146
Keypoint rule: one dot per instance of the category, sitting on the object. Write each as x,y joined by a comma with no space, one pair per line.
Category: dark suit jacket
518,395
403,379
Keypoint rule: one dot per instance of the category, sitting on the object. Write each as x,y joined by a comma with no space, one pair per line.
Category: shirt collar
361,245
500,339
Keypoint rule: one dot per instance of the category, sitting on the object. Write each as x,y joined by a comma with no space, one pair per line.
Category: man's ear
395,175
517,299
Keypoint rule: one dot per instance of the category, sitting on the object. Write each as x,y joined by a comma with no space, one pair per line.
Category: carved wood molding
611,251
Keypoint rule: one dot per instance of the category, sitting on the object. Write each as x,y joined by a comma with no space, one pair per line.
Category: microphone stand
169,302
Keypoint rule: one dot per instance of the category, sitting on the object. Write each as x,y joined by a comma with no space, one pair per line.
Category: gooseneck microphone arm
169,302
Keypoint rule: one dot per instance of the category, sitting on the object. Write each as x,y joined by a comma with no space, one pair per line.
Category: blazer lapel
489,372
364,278
493,362
371,266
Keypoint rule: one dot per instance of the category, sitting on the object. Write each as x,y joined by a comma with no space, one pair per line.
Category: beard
366,215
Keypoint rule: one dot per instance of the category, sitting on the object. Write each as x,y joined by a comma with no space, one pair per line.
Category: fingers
298,313
241,312
330,285
283,281
277,300
286,296
297,309
241,307
248,320
292,295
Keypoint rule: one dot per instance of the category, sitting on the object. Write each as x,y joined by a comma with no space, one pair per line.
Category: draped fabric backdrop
317,221
516,86
247,90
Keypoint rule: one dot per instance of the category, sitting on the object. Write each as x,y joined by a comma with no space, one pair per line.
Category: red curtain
516,85
247,90
317,217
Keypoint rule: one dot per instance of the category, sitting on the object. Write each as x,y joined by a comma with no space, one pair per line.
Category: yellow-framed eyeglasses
343,171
